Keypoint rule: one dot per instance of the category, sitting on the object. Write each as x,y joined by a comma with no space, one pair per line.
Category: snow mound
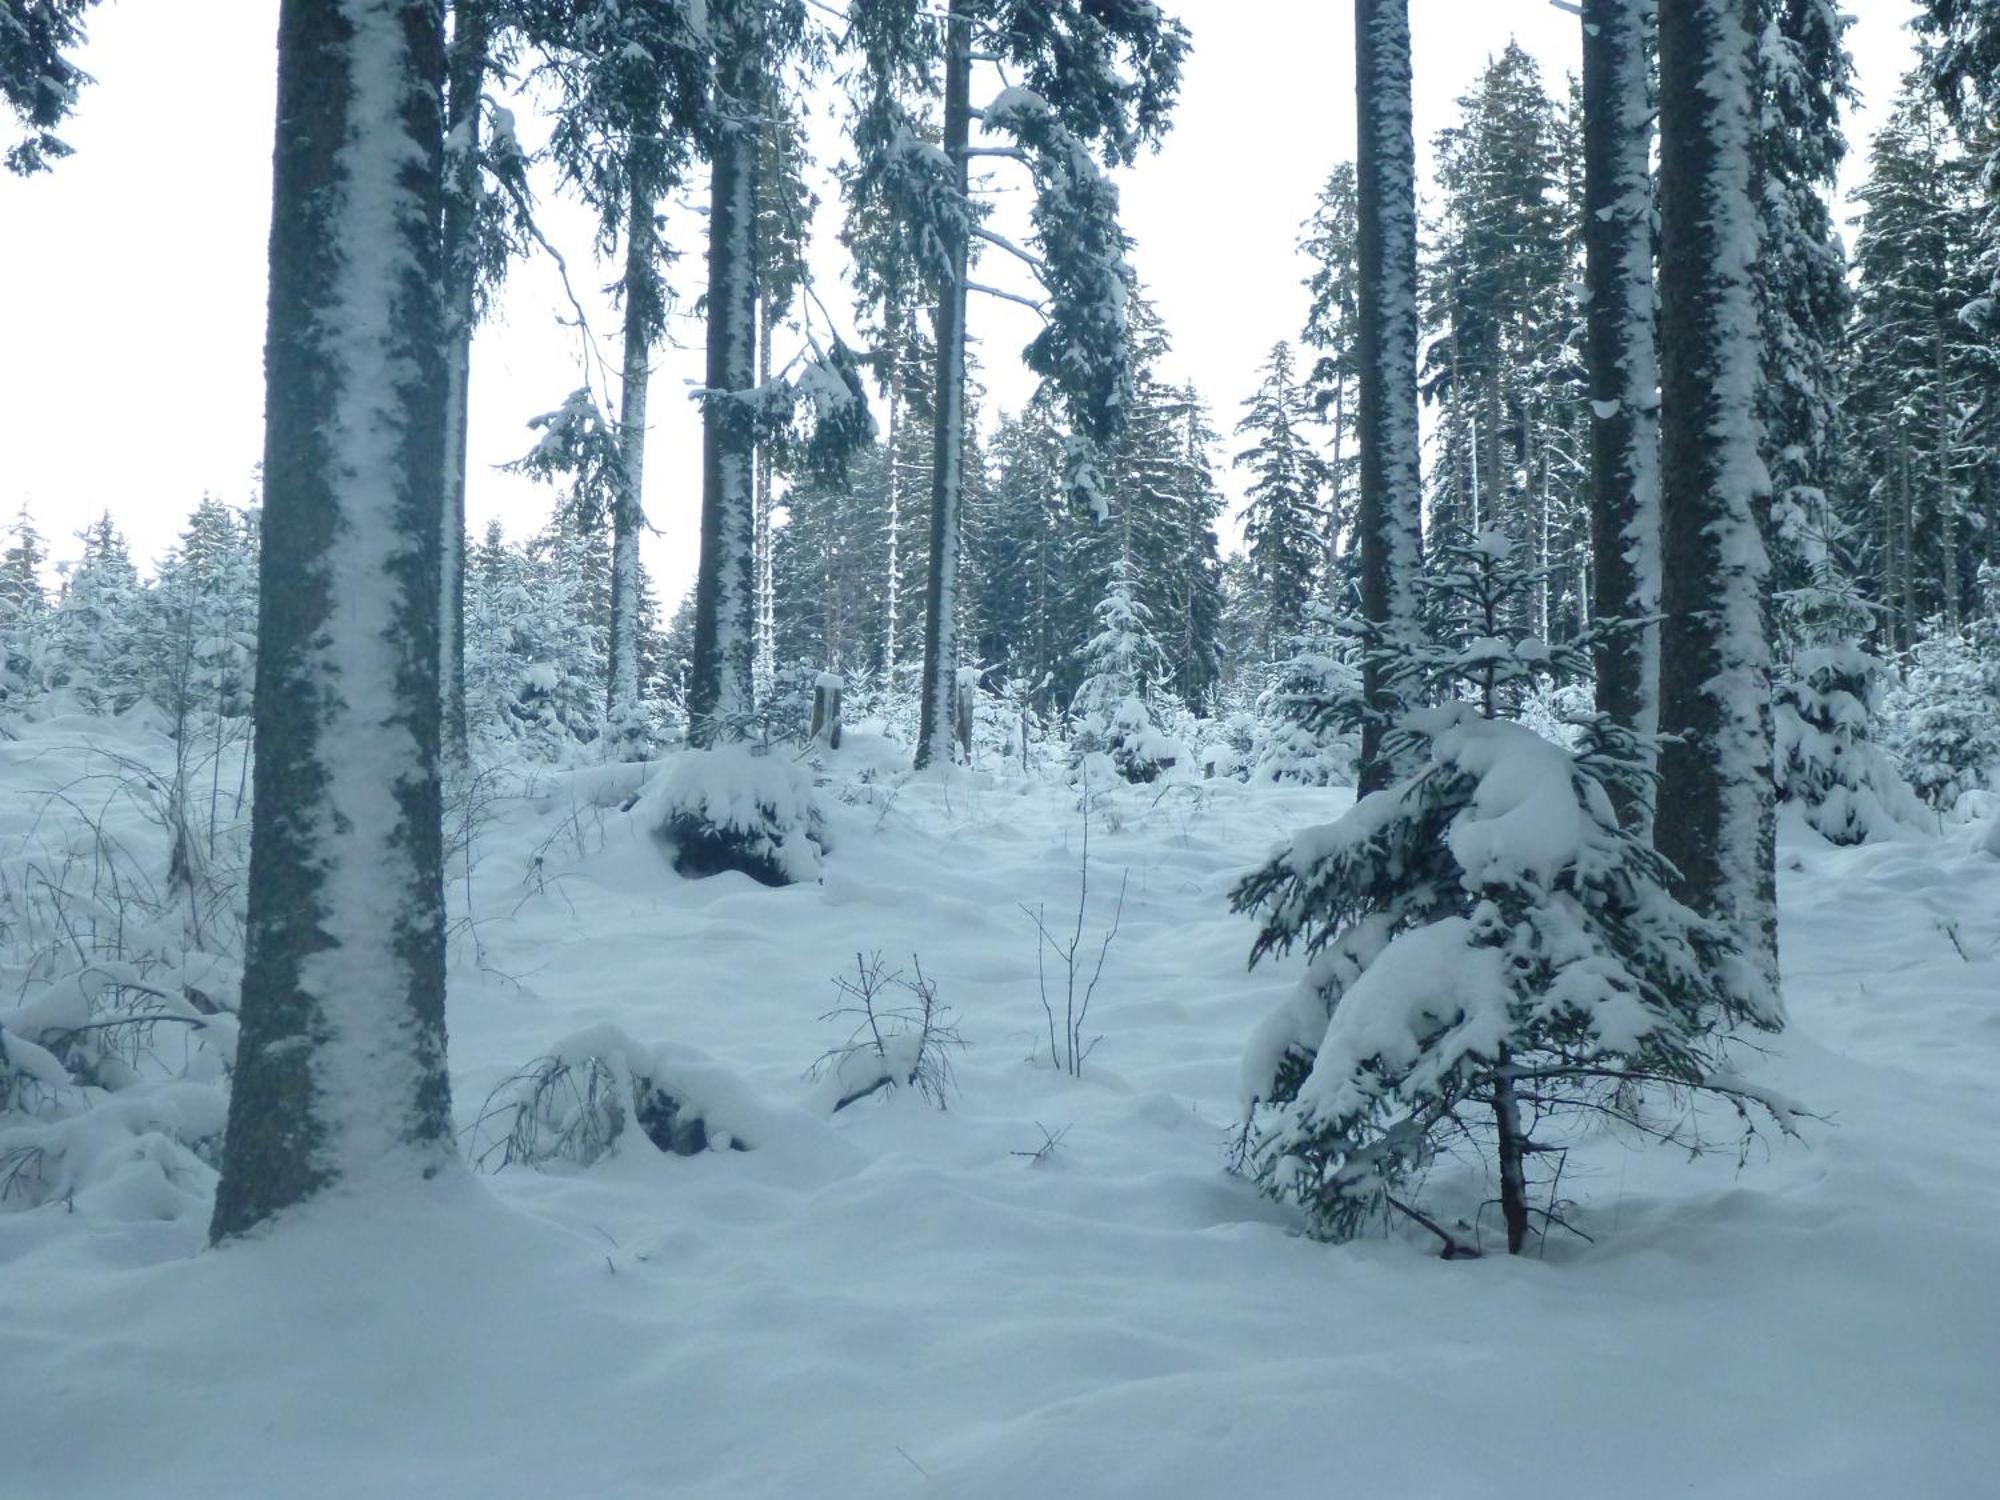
738,808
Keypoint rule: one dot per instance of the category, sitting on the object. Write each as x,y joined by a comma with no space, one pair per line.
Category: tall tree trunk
767,603
628,516
1947,501
940,684
1715,697
720,695
465,78
340,1072
1623,368
894,582
1390,512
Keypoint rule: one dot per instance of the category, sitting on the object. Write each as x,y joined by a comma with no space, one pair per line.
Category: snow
893,1302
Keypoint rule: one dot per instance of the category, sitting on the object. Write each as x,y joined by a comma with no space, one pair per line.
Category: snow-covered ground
902,1301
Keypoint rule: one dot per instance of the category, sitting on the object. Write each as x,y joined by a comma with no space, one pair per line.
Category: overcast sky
131,343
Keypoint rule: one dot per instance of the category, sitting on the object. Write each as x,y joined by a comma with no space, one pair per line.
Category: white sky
131,345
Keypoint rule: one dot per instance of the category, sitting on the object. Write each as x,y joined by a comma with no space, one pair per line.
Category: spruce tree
39,78
1332,330
340,1076
1494,960
1284,503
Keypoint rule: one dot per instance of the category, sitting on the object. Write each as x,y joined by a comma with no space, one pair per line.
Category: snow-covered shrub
119,936
1942,722
581,1099
1826,761
1494,961
1225,744
738,807
901,1037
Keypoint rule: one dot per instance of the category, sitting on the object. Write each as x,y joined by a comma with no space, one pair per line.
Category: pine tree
1284,502
1622,356
1332,332
1715,697
340,1074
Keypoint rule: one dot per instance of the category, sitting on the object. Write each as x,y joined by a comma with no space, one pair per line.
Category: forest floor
902,1301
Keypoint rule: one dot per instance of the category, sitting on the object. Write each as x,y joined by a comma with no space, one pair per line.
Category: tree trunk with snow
940,681
767,604
1389,520
1715,696
1622,363
465,78
721,692
340,1075
643,295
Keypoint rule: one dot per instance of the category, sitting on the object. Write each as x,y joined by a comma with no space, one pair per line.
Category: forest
1017,978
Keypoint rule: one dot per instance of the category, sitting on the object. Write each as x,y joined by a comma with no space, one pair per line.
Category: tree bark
464,81
628,515
1390,511
721,693
340,1074
1623,368
940,683
1715,697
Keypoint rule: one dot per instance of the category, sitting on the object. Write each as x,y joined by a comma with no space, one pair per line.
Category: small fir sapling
1113,708
1301,740
1825,702
1943,720
1495,962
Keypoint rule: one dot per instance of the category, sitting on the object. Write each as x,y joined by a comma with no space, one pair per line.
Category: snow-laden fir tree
93,630
39,76
1303,736
1116,711
1942,721
1715,696
23,608
1805,81
1496,963
1964,65
1926,429
340,1077
1827,701
1332,331
1283,521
